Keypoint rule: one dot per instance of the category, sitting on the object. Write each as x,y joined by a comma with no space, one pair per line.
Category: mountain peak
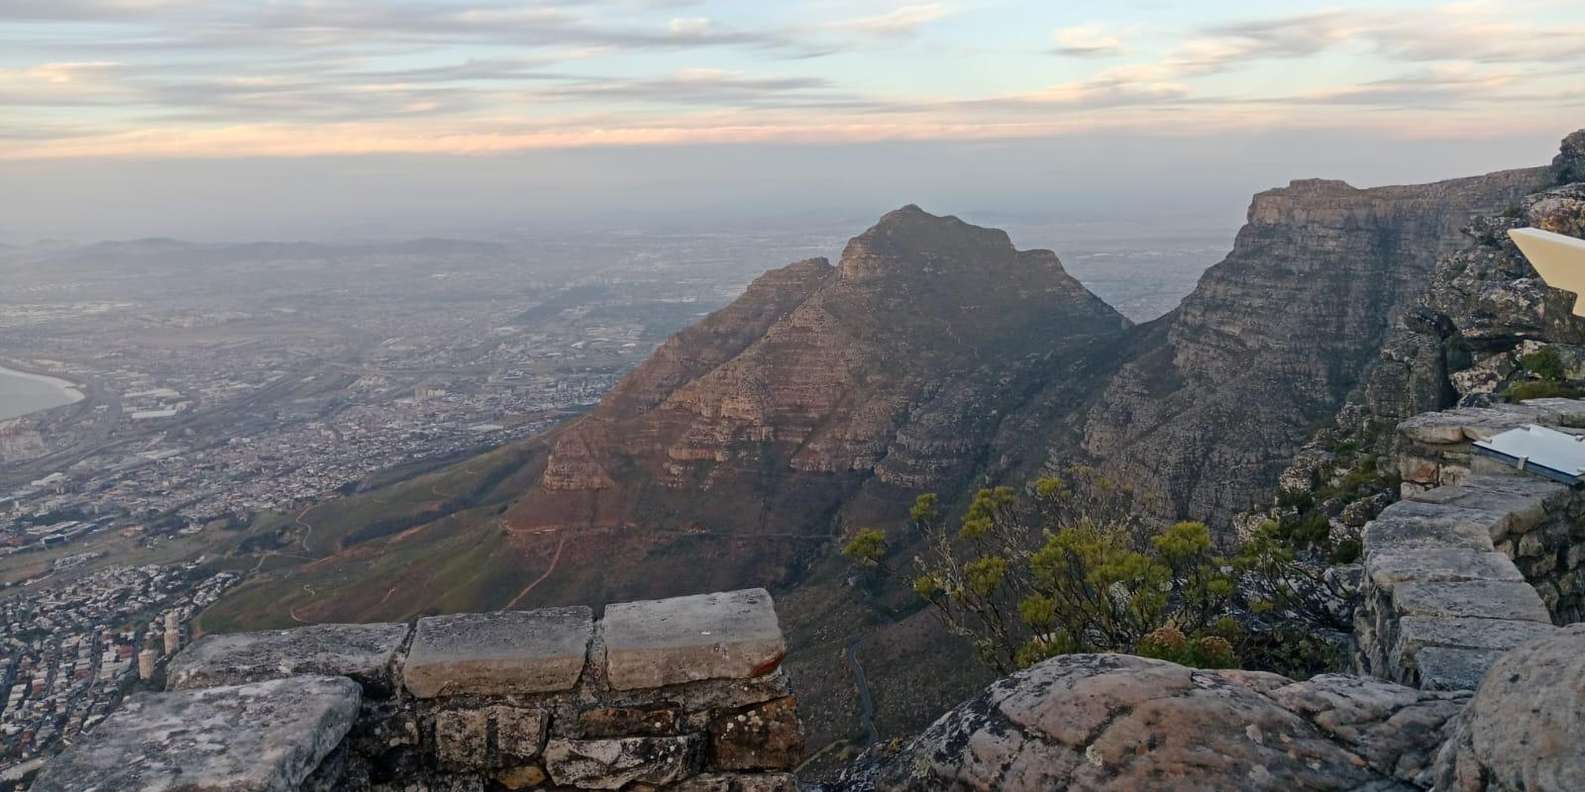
910,239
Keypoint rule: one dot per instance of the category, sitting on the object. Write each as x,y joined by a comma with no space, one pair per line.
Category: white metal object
1560,259
1537,449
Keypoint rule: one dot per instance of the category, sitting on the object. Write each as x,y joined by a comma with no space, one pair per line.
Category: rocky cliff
1221,393
1484,308
1485,330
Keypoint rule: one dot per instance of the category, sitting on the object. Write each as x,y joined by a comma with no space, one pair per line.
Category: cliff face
1484,307
1220,394
881,376
1466,340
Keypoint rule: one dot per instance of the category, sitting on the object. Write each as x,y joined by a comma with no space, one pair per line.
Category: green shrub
1545,364
1068,566
1540,389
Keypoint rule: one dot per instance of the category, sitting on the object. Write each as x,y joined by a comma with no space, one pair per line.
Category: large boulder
1525,728
1115,722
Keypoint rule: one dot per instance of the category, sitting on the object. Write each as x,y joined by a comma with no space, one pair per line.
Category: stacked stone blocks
681,694
1477,558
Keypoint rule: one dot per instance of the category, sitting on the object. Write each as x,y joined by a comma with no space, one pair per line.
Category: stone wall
679,694
1435,449
1476,559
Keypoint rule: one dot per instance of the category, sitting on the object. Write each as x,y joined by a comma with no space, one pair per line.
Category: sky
308,118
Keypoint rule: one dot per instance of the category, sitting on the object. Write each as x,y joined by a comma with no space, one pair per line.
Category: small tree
1068,567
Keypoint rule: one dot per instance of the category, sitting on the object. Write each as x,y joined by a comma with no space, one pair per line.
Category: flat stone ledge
1387,569
259,737
502,653
1479,423
1482,599
1506,503
1414,525
1416,632
365,652
655,643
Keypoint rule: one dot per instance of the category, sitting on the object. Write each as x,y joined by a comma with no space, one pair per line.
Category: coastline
71,391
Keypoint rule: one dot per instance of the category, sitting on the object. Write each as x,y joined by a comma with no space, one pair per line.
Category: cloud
708,87
85,10
902,21
1086,41
338,76
1458,32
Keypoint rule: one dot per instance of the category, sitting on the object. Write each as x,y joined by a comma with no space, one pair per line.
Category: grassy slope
419,560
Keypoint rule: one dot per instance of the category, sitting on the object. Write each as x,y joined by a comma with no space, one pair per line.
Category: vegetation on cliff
1069,566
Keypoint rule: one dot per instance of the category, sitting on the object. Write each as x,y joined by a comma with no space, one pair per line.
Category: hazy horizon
476,118
1171,181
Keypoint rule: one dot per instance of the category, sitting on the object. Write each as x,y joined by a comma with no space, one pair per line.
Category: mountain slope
820,387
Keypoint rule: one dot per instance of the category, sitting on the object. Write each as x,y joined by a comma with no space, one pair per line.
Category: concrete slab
731,635
260,737
502,653
364,652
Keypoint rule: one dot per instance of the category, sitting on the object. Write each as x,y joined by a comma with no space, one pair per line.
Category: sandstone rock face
1484,306
1525,726
1114,722
1207,413
885,374
259,737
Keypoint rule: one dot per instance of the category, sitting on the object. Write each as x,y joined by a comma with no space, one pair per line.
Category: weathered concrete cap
260,737
499,653
730,635
362,651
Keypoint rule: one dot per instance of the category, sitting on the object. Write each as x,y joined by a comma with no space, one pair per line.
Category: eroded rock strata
1224,390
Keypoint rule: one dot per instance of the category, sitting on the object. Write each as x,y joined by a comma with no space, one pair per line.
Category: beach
22,393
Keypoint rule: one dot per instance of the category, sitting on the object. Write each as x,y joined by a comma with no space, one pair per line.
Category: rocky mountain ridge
1486,329
1219,397
873,379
